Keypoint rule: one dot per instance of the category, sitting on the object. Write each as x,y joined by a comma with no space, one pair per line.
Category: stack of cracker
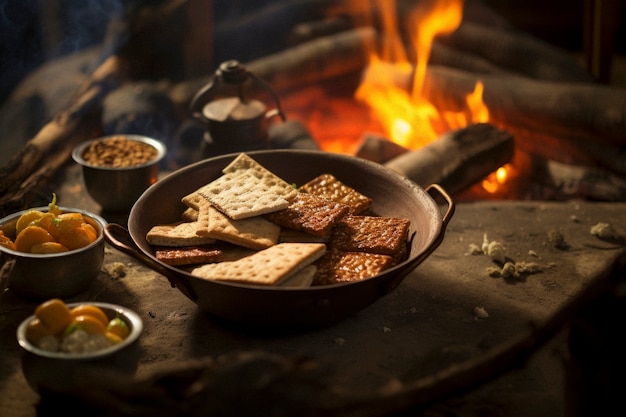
250,226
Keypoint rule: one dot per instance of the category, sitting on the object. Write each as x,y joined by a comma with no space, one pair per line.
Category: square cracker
247,189
194,200
253,232
310,213
336,266
177,234
190,215
270,266
326,185
301,279
191,256
383,235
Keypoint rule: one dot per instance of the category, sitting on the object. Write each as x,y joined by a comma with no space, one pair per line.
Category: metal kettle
234,120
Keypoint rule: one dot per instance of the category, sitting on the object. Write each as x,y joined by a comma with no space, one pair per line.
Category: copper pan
290,308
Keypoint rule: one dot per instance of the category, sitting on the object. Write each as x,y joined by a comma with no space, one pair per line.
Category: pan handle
451,206
119,237
447,216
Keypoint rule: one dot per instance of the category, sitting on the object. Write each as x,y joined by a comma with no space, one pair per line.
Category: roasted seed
119,151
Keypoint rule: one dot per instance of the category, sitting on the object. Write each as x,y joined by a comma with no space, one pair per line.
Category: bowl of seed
117,169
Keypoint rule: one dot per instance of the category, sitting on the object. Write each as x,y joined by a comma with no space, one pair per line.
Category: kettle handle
232,72
198,100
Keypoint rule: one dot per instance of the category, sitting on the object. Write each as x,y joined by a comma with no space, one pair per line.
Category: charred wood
457,159
317,60
309,30
568,122
379,149
24,174
580,119
566,181
517,52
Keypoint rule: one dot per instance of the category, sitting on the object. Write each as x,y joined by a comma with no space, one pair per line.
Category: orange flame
406,116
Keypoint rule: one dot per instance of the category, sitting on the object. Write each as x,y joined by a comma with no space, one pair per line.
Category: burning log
457,159
587,121
578,123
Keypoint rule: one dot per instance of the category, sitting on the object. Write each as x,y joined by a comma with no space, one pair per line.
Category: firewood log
38,160
589,118
315,61
517,52
580,123
457,159
379,149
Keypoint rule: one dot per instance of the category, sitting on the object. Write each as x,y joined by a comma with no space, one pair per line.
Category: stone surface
429,322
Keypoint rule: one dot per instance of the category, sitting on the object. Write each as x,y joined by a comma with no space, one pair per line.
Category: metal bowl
54,275
60,371
283,307
117,188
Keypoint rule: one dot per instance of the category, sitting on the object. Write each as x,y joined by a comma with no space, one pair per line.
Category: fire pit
517,119
335,77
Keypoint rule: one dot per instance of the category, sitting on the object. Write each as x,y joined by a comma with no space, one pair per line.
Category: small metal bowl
53,275
64,371
116,189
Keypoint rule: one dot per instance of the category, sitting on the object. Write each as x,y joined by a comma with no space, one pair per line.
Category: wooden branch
457,159
568,122
587,117
34,184
311,62
318,60
37,161
517,52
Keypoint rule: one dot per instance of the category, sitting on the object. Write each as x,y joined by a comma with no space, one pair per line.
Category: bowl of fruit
65,343
51,251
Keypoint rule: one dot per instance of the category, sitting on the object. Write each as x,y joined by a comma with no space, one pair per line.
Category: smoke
35,31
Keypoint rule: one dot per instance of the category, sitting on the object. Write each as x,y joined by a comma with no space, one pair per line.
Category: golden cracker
383,235
270,266
247,189
327,186
336,266
301,279
177,234
310,213
253,232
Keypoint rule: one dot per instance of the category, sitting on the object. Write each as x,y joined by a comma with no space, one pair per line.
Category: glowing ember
496,179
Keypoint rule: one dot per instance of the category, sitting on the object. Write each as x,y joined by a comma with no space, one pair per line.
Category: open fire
395,109
405,76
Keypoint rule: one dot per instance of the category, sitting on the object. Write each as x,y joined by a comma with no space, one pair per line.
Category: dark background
35,31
